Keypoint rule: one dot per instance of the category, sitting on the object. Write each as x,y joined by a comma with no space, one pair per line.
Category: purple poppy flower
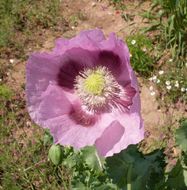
86,93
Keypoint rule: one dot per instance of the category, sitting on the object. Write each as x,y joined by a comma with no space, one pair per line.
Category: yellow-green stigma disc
94,83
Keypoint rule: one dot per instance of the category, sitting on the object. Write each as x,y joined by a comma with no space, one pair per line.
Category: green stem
129,186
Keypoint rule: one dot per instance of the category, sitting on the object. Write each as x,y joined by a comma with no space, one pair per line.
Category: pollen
98,90
95,83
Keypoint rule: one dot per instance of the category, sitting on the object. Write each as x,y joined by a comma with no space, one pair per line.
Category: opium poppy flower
86,93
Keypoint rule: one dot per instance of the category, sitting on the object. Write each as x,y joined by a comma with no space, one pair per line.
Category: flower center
95,83
98,90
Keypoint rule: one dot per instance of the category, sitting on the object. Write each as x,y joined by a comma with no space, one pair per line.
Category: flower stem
129,186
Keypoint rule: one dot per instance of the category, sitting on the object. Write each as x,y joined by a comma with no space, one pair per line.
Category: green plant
20,19
5,92
172,15
23,160
119,4
171,84
142,59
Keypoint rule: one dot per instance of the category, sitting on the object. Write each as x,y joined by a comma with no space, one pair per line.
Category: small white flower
170,60
73,27
28,123
168,87
130,55
154,78
144,49
151,79
152,93
151,88
0,79
133,42
161,72
168,82
177,85
183,89
11,60
158,81
93,4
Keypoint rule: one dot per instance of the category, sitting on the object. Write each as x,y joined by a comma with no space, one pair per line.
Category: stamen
98,90
94,84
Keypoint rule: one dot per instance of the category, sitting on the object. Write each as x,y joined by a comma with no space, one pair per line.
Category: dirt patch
100,14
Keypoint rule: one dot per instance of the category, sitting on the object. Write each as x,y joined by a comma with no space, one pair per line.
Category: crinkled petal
41,69
120,49
109,138
133,134
127,75
88,40
52,103
66,132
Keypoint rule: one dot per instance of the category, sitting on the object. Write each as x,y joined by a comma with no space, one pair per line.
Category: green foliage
128,170
178,80
5,92
21,18
48,139
181,136
92,159
131,168
55,154
142,59
23,159
172,24
87,169
119,4
177,177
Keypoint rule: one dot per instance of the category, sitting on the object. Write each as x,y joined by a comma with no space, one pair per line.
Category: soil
90,14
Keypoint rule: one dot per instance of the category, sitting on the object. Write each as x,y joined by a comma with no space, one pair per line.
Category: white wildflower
144,49
93,4
151,88
170,60
154,78
130,55
168,87
168,82
161,72
183,89
158,81
151,79
28,123
11,61
133,42
152,93
177,85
